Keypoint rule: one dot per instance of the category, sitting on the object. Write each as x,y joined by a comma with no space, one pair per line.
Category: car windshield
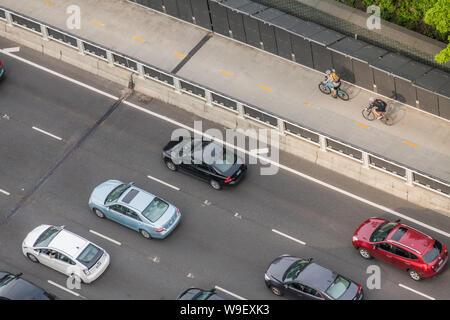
382,231
155,209
433,253
338,287
90,255
116,193
46,237
295,269
203,295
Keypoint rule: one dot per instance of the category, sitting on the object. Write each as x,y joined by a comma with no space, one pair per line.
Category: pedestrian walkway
417,139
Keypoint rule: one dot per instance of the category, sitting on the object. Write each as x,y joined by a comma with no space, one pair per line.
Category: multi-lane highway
226,238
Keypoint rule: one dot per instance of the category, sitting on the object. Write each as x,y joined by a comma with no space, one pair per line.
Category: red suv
402,246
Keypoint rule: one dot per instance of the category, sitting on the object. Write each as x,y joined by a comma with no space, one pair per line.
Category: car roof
68,242
412,239
316,276
136,198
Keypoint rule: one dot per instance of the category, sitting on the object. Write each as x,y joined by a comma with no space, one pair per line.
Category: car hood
100,192
366,228
279,266
34,234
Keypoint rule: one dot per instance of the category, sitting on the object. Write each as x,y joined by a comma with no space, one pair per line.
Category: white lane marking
417,292
289,237
4,192
47,133
65,289
105,237
259,151
230,293
176,123
13,49
164,183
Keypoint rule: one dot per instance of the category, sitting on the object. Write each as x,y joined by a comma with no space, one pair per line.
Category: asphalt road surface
225,239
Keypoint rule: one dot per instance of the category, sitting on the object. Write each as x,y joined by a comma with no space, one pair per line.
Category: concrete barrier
288,143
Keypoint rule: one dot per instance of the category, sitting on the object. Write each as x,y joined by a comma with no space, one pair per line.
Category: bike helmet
371,99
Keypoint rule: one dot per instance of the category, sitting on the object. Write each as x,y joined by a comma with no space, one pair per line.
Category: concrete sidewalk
417,139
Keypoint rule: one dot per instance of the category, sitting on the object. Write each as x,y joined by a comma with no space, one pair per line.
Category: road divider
105,237
229,293
416,292
164,183
289,237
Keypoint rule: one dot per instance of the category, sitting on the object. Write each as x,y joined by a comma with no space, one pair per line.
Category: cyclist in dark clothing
379,106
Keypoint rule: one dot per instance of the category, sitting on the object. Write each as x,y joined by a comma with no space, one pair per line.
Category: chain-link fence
306,12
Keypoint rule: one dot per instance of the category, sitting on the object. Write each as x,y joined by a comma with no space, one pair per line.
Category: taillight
86,272
228,180
359,288
1,64
178,212
159,229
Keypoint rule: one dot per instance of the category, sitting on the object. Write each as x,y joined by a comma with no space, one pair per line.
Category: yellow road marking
308,104
227,73
362,125
411,144
138,39
180,55
49,4
98,23
265,88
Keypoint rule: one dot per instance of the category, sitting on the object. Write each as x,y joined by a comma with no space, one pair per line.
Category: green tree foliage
429,17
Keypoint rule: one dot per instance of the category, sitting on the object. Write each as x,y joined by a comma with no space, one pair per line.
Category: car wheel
145,234
99,214
171,166
364,253
32,258
215,184
276,291
414,275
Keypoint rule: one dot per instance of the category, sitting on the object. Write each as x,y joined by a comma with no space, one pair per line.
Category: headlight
266,277
354,238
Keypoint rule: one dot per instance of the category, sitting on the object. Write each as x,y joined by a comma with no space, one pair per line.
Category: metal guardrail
212,97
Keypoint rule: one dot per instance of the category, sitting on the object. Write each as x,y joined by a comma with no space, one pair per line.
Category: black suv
206,160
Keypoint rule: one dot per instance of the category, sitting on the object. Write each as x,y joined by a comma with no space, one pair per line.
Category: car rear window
432,255
155,209
225,160
338,287
90,255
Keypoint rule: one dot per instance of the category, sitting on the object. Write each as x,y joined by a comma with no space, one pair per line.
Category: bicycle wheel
368,114
324,89
343,95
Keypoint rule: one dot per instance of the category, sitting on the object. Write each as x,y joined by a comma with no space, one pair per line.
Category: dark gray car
13,287
298,278
199,294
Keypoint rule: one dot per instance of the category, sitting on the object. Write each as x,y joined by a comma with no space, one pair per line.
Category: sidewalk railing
412,177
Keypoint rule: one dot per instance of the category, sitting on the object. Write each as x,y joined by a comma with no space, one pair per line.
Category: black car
14,287
298,278
206,160
199,294
2,70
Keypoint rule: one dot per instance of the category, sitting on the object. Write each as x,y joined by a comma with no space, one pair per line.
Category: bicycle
327,88
369,114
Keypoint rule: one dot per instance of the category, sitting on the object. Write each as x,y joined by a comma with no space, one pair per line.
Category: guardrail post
280,126
9,20
44,32
240,110
109,56
177,85
208,96
80,47
323,143
409,177
366,160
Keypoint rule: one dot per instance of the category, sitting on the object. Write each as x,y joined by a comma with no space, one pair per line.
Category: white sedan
65,252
